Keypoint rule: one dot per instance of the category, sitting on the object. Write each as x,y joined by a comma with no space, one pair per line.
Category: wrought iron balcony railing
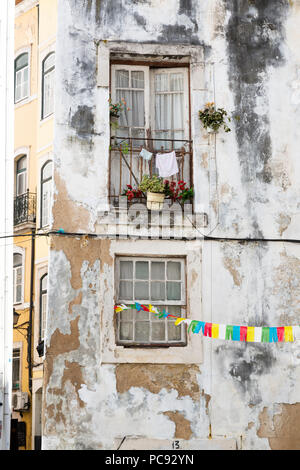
25,208
127,167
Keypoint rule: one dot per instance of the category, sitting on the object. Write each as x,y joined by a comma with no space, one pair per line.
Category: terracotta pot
155,201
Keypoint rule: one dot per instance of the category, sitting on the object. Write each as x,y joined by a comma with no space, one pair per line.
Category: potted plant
178,191
154,187
213,118
132,193
115,110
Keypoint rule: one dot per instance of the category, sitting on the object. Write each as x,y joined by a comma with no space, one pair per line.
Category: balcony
127,167
25,210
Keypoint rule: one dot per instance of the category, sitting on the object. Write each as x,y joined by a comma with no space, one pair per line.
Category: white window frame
149,103
184,71
21,73
48,74
42,312
133,68
18,251
45,223
17,347
152,319
17,175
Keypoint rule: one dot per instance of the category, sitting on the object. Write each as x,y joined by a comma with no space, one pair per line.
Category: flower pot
210,130
155,201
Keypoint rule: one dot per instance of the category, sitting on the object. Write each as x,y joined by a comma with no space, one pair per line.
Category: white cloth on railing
166,164
145,154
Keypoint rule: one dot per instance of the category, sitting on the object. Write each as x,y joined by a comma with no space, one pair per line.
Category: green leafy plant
214,118
153,184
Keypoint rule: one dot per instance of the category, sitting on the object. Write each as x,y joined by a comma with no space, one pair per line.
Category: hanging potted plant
213,118
154,187
115,110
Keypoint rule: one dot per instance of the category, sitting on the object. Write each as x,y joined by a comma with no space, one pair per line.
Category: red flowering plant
178,191
132,193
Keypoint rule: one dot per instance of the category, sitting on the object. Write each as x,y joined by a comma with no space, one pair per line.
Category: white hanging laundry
145,154
166,164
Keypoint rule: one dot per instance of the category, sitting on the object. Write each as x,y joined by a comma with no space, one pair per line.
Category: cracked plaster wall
247,392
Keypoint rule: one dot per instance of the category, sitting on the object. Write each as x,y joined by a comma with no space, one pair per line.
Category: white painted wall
6,215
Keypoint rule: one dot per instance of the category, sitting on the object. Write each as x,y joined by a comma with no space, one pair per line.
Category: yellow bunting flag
250,333
288,334
215,330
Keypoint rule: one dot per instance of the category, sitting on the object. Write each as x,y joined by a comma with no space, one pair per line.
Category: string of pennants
257,334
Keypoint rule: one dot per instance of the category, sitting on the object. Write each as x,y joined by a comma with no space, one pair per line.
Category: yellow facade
35,34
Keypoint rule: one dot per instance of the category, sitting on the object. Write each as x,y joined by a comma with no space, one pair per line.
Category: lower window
156,281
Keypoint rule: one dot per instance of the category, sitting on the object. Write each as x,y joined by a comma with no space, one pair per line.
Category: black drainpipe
30,329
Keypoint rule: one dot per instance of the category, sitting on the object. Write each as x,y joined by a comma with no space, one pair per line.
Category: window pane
126,290
17,260
21,61
21,164
142,270
142,331
157,270
174,332
126,315
142,315
158,331
126,269
122,78
158,291
44,281
173,271
173,290
47,171
49,62
161,82
126,330
176,82
141,290
137,79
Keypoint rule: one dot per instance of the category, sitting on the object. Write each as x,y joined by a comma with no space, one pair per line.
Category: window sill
25,101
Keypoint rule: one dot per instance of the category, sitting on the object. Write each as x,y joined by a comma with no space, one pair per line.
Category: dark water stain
255,35
83,121
245,363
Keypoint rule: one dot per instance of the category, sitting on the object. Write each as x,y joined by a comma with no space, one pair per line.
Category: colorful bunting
257,334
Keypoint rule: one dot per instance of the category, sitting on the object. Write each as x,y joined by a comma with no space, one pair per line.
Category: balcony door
155,116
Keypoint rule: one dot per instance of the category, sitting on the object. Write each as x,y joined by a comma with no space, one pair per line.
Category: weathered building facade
125,381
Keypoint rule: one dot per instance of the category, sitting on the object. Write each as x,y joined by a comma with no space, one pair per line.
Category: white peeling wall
246,180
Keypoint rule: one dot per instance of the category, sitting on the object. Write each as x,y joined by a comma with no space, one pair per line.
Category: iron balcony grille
25,208
127,167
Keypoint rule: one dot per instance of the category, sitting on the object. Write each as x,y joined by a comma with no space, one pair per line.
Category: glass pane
122,78
161,82
17,260
158,291
126,315
158,331
126,330
173,290
174,332
137,79
126,269
157,270
173,271
142,315
142,330
174,310
21,61
21,164
126,290
44,282
141,290
47,171
137,109
176,82
138,136
49,62
142,270
19,293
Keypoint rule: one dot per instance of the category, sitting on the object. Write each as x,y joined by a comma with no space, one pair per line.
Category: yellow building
35,34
